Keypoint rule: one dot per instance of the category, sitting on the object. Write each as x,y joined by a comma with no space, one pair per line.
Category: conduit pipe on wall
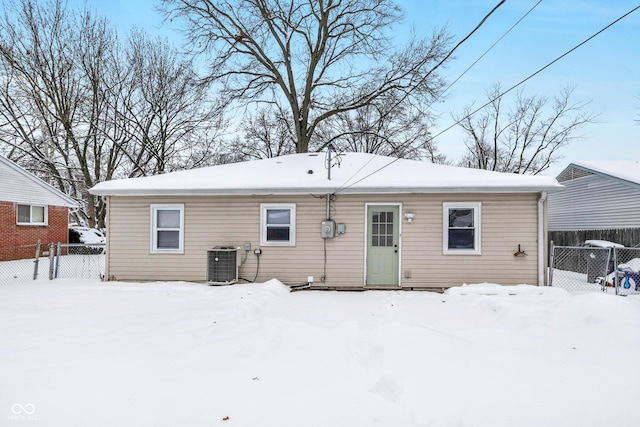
541,239
328,206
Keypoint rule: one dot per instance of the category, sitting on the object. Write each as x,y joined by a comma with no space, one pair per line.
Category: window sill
461,252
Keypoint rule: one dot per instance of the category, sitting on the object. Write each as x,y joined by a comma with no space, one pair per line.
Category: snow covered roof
626,170
354,173
20,186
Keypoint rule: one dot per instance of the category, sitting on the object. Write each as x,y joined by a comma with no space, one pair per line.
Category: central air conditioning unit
222,265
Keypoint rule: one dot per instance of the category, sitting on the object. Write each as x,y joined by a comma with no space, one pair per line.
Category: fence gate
79,261
588,269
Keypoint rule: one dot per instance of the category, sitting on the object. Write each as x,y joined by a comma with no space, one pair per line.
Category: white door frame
366,237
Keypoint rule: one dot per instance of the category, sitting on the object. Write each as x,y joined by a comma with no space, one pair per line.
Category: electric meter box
328,229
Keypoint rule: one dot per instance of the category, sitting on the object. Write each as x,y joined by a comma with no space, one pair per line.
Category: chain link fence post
51,260
552,251
35,262
57,269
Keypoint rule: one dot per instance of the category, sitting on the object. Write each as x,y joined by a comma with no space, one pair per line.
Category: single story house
601,201
30,210
351,221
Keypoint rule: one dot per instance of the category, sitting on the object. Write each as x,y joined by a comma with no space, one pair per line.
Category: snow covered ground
84,353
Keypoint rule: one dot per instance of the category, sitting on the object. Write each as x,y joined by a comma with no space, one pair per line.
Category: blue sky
605,71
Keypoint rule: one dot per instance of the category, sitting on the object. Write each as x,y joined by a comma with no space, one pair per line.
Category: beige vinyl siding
506,221
209,222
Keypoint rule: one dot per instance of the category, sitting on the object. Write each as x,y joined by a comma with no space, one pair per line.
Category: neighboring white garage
601,201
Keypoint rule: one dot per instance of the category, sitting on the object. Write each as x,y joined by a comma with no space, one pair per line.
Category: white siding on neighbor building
594,203
19,186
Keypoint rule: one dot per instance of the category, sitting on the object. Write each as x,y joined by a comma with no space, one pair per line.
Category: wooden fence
629,237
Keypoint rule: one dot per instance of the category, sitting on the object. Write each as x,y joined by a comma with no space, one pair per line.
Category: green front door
382,245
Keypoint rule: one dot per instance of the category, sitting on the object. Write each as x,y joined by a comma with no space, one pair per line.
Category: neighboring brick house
30,210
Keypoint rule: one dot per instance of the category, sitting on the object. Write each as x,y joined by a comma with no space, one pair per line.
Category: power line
502,94
367,176
438,65
491,47
538,72
448,55
463,40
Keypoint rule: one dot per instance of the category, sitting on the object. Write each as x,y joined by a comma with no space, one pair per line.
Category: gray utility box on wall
328,229
222,265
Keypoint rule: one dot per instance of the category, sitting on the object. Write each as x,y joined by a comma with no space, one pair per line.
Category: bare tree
168,112
265,134
385,127
310,59
525,139
52,98
78,107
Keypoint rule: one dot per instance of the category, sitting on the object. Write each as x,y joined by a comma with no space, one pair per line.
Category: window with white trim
31,215
167,228
278,224
461,228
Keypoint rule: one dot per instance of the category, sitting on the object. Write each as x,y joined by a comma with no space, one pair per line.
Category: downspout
541,239
107,275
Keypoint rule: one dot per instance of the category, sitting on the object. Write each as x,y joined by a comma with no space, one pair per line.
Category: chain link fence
23,263
588,269
80,261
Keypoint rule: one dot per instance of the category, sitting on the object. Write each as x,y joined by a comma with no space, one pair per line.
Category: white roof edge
69,202
303,191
